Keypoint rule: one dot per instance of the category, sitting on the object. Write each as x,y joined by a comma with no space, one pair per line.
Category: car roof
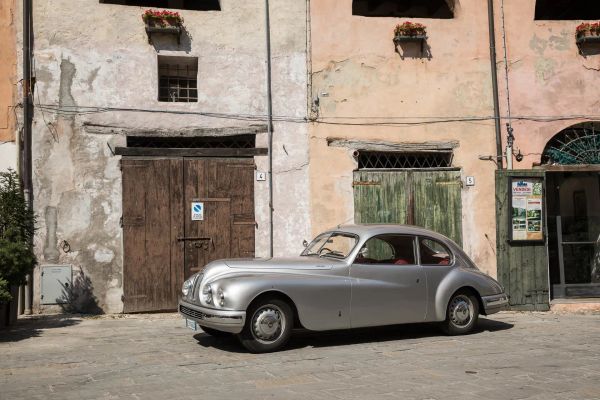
380,229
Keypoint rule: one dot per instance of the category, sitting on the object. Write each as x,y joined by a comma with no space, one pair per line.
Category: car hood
292,263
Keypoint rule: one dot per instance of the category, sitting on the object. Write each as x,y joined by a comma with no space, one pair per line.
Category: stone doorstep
591,305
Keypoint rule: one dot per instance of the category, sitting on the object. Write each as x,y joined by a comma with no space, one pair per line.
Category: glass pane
434,253
582,263
335,245
388,249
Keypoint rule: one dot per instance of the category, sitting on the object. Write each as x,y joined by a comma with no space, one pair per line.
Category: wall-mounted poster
527,200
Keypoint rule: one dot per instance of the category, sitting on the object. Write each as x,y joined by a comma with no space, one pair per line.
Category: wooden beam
189,131
170,152
380,145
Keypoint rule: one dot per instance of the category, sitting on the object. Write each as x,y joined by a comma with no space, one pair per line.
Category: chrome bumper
495,303
226,321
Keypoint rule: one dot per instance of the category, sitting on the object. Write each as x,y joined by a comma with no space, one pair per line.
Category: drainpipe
269,125
492,32
27,118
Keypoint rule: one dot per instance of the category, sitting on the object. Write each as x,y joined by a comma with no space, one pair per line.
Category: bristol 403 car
348,277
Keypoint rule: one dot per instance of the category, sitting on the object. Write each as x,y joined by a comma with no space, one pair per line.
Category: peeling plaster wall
98,55
547,77
356,74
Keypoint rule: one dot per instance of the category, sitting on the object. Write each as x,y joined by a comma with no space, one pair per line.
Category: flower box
410,32
164,22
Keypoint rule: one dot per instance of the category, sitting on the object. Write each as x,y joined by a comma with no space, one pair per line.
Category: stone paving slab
536,356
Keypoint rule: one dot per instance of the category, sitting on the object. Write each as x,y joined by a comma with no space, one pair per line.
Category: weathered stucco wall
548,78
360,79
98,55
8,80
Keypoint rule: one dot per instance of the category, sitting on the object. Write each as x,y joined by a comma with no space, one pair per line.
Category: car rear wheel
268,326
462,314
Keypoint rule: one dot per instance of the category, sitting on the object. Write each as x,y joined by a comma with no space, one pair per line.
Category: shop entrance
573,217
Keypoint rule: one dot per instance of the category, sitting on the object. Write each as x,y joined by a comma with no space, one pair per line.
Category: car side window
433,252
388,249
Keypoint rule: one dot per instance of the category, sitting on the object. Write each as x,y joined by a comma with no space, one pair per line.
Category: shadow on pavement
305,338
29,327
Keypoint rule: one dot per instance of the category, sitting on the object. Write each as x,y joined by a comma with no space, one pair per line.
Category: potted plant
164,21
410,31
17,258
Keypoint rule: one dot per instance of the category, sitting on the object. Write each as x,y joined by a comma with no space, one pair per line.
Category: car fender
457,279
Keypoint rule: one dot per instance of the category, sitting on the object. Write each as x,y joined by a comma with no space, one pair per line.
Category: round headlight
221,297
207,293
187,287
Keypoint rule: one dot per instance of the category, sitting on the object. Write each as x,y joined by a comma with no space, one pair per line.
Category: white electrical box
56,283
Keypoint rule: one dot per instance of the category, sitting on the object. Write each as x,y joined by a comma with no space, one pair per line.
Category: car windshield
334,245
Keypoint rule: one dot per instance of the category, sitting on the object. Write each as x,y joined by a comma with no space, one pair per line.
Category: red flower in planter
162,18
409,28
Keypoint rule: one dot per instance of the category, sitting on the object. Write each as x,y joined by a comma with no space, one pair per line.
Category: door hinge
357,183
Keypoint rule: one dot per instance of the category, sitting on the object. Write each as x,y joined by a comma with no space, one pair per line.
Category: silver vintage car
348,277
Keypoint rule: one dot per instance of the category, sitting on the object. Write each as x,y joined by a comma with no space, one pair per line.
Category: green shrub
16,234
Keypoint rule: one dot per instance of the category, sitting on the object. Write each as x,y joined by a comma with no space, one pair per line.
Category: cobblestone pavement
511,356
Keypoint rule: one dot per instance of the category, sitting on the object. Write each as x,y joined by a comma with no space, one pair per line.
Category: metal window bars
401,160
194,142
177,82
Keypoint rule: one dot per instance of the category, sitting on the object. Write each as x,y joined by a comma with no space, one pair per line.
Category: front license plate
191,324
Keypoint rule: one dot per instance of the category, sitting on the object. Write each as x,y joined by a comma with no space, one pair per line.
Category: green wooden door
431,199
381,197
522,267
438,202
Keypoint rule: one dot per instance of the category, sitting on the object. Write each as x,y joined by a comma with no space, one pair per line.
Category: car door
388,285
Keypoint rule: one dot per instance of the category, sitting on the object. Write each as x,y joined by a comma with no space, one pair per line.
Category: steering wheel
325,249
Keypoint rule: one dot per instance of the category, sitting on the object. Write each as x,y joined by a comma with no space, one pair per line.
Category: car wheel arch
279,295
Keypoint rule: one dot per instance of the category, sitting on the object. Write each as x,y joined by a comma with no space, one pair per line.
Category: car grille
192,313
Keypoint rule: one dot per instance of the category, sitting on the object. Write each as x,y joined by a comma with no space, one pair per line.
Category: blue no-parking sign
197,211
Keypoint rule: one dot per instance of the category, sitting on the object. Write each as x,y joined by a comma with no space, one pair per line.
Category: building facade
8,86
150,146
150,140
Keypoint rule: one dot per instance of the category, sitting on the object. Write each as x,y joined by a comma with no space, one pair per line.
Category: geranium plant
162,18
588,29
411,29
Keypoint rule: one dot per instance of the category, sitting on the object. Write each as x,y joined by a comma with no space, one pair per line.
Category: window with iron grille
194,142
442,9
200,5
400,160
177,79
567,10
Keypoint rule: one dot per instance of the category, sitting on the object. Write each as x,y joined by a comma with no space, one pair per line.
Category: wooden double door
428,198
166,239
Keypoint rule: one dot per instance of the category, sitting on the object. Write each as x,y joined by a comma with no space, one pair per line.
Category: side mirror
304,243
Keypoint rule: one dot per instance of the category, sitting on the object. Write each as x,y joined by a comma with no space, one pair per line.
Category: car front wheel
268,326
462,314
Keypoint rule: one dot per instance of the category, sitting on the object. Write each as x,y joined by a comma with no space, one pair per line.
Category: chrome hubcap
268,323
461,310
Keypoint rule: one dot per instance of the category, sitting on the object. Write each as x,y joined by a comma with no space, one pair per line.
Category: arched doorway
572,161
